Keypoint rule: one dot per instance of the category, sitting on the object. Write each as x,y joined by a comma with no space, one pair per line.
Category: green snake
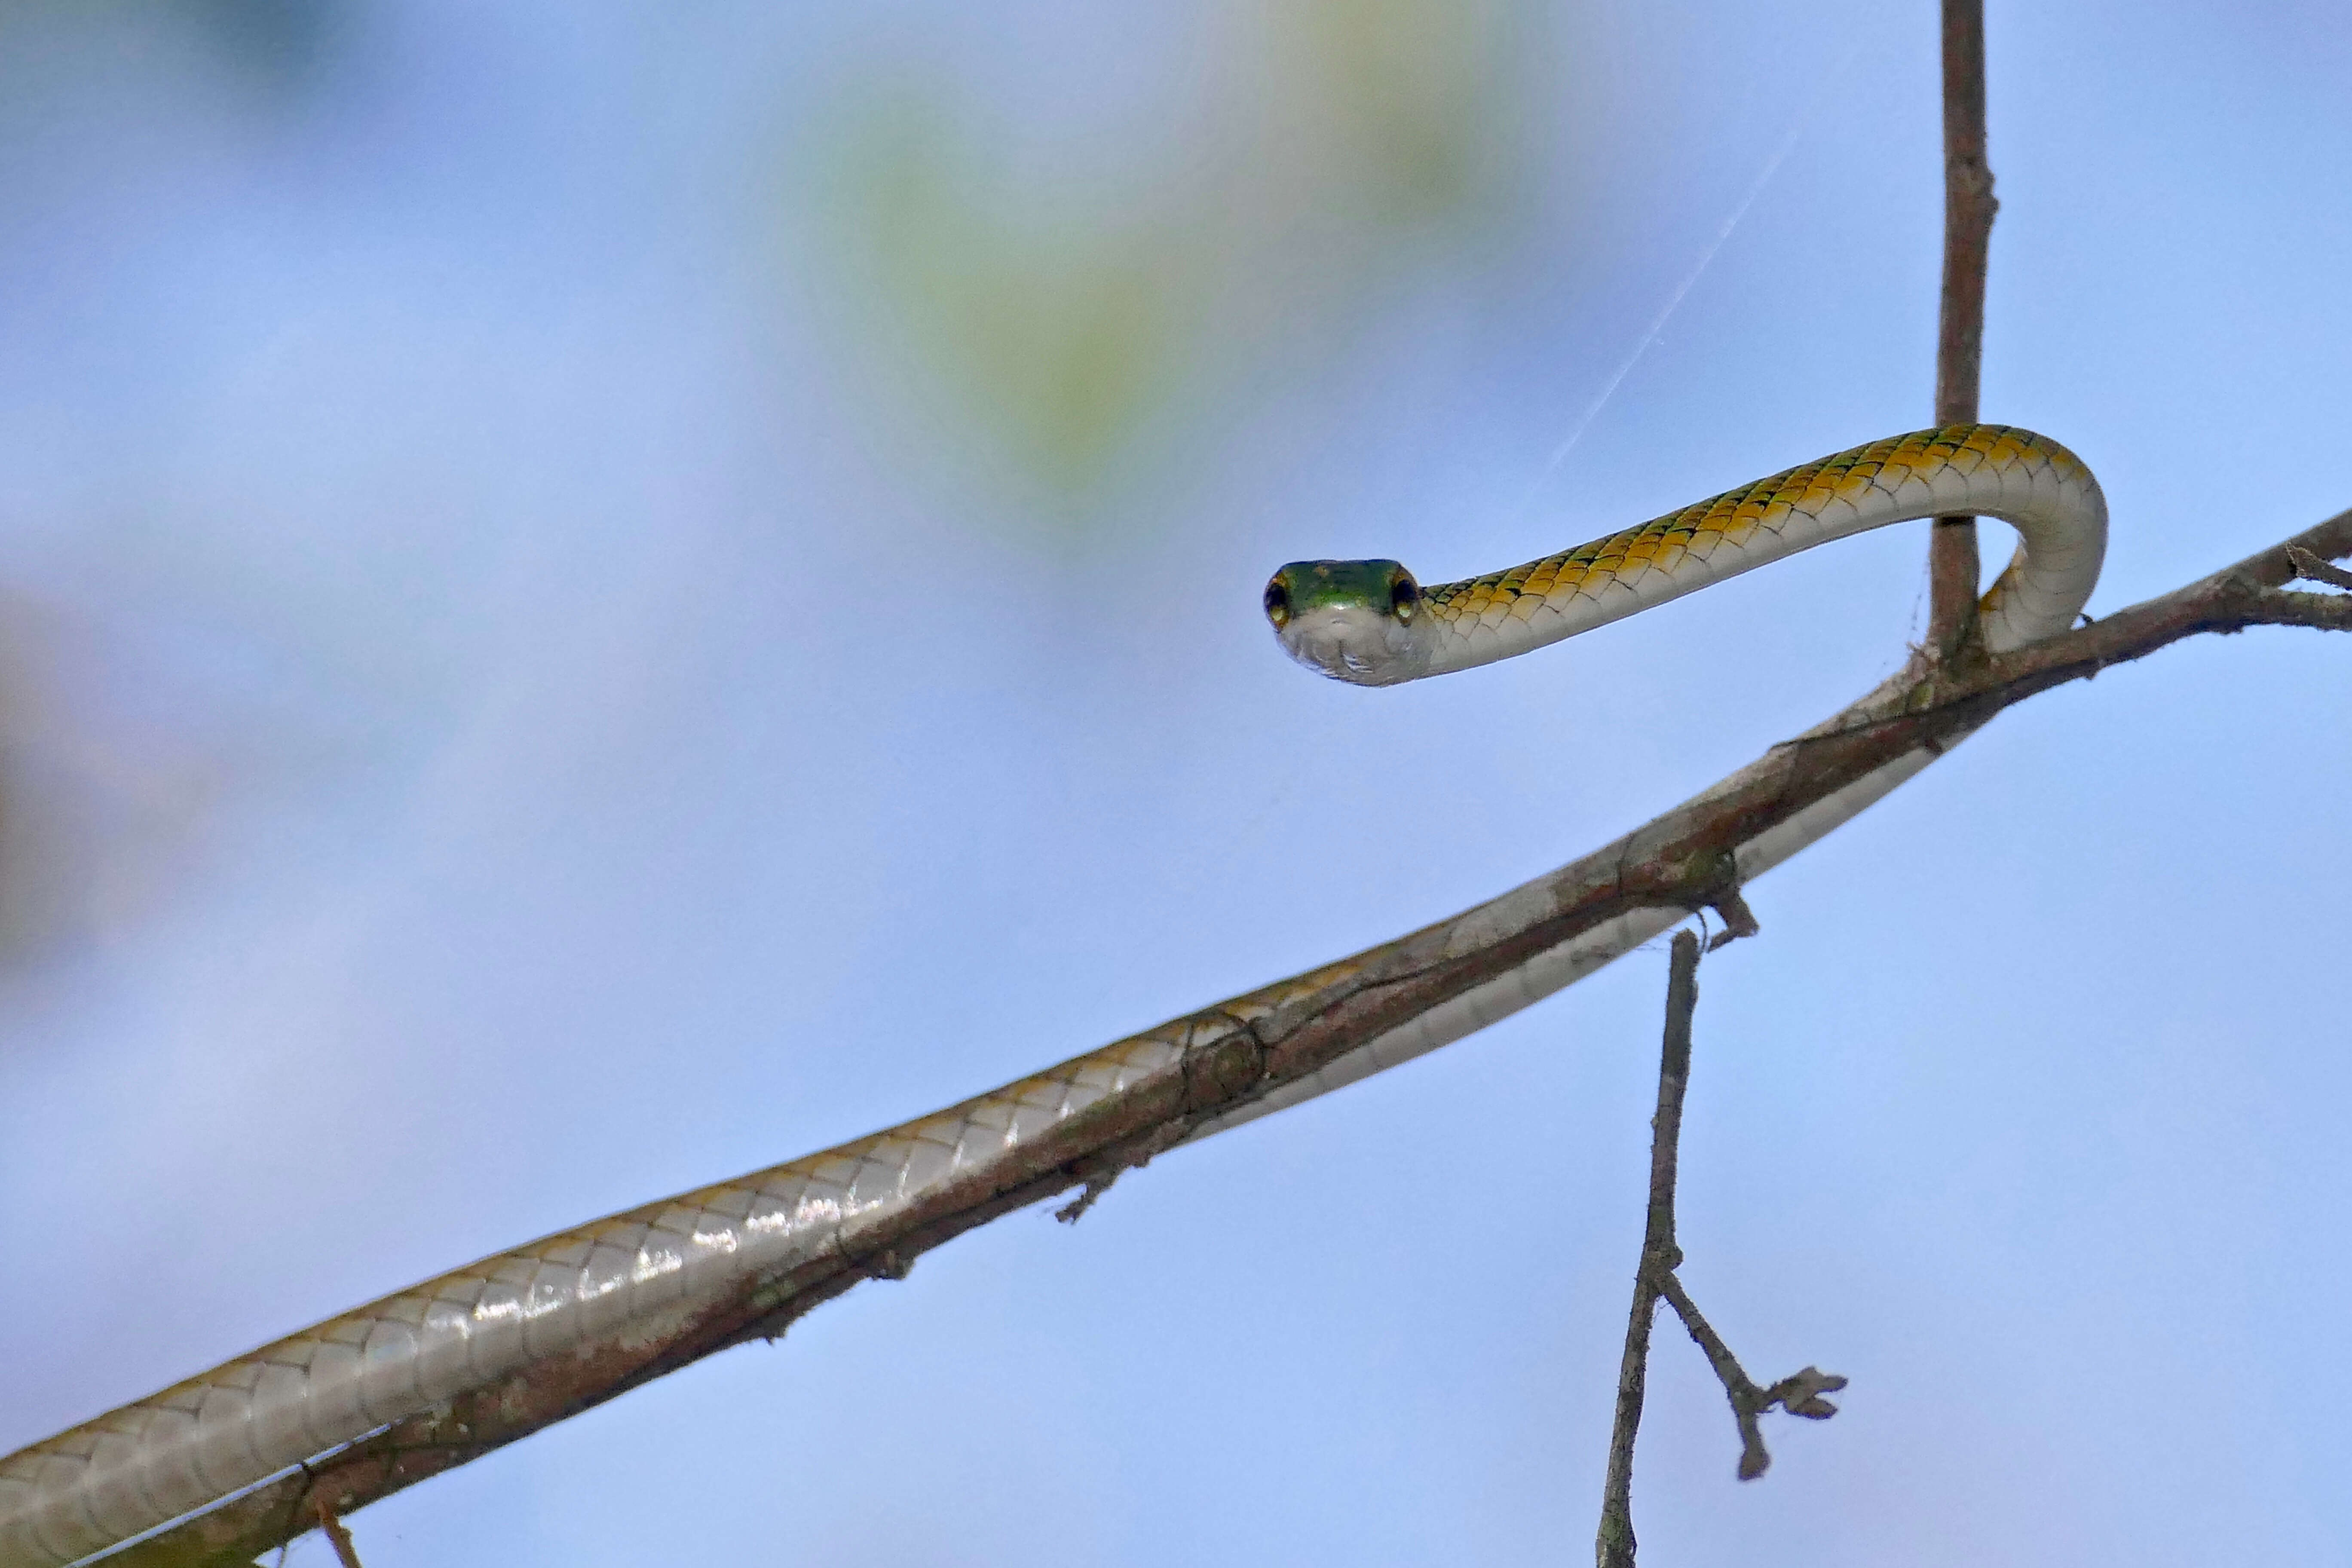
619,1280
1369,622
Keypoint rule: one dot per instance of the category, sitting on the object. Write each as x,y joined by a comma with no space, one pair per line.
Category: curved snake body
1369,623
187,1449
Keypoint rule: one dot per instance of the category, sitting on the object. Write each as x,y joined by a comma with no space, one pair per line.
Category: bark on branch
1681,860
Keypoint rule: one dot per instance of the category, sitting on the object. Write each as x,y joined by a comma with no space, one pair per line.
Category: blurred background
593,597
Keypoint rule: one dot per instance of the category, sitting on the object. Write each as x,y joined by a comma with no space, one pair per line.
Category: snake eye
1277,603
1404,596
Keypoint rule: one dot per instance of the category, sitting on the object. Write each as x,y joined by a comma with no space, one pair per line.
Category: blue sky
593,601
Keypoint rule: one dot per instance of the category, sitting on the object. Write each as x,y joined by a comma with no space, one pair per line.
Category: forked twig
1799,1394
1613,1544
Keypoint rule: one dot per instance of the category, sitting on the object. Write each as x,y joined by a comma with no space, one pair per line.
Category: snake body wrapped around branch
791,1231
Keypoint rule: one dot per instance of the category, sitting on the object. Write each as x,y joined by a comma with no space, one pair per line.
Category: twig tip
1075,1210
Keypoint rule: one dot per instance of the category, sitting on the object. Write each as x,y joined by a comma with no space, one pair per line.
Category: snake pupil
1404,594
1277,603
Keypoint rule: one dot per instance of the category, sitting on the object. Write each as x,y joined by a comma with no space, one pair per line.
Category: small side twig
1738,920
2312,569
1800,1394
1104,1169
337,1535
1075,1210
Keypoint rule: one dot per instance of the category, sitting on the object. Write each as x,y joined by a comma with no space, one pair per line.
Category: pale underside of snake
185,1449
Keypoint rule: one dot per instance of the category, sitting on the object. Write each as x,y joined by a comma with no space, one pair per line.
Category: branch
1969,207
1239,1051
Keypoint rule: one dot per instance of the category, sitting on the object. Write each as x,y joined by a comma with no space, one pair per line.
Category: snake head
1363,622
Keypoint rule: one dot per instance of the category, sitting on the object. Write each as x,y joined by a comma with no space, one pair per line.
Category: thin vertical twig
1968,208
1613,1546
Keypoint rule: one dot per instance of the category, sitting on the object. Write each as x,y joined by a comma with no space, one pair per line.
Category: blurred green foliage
1322,148
1418,93
1056,336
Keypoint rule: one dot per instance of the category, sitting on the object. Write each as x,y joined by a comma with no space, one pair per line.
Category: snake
300,1399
